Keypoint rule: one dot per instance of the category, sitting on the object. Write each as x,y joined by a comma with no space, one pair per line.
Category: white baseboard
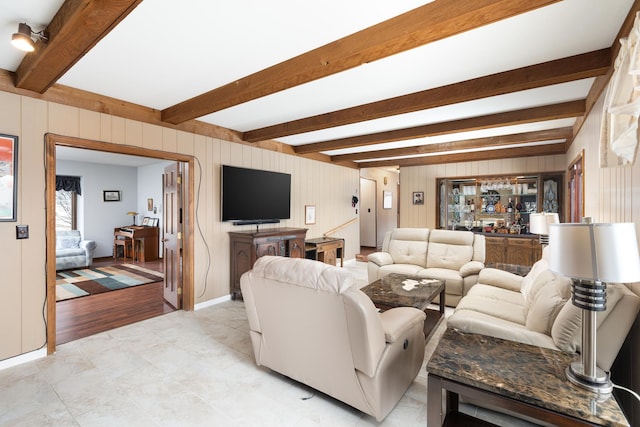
211,302
23,358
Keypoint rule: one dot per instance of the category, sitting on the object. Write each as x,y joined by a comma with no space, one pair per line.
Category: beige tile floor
184,369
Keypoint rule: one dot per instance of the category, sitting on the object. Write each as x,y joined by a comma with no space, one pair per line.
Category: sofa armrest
472,267
500,278
397,321
380,258
88,245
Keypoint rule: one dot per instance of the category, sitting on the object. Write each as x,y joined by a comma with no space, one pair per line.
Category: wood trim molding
494,141
506,153
425,24
563,70
74,30
529,115
51,141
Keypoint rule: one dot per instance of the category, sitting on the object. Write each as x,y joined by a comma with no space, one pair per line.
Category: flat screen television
252,196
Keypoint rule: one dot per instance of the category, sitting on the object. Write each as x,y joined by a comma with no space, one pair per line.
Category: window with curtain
67,191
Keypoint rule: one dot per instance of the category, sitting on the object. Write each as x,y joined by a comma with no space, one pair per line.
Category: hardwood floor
80,317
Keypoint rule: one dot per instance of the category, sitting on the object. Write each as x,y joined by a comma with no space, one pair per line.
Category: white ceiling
165,52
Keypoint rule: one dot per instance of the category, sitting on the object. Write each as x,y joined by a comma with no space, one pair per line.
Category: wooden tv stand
248,246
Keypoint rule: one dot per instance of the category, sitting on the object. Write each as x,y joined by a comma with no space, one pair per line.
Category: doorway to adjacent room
124,305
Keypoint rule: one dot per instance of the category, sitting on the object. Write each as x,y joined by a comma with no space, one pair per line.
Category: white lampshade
595,252
539,222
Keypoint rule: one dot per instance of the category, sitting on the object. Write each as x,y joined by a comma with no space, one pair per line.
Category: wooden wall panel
23,285
32,250
613,195
11,307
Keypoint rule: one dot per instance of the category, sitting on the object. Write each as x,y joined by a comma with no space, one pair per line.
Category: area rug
90,281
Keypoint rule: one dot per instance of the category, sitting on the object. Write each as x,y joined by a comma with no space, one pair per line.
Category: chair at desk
124,239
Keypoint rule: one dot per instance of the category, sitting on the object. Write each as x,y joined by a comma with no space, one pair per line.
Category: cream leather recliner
310,322
456,257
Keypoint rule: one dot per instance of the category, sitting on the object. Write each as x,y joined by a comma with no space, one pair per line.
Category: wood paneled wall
23,283
613,195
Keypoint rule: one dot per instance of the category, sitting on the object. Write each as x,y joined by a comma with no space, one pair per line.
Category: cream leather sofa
537,310
309,321
453,256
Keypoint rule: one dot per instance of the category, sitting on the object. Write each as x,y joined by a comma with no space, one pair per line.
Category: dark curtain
68,183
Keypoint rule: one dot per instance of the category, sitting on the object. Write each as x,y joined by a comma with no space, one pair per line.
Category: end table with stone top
395,290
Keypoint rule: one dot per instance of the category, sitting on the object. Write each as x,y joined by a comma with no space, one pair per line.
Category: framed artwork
8,177
387,200
309,214
146,220
154,222
111,196
418,197
150,204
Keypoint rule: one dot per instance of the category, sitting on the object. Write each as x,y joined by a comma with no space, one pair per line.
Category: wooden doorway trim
51,141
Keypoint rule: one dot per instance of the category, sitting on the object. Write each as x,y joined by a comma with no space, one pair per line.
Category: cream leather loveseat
537,310
309,321
453,256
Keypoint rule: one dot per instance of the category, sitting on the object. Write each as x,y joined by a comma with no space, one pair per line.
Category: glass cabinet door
504,202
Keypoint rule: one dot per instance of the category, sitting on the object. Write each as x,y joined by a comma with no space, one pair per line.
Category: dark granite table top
389,291
527,373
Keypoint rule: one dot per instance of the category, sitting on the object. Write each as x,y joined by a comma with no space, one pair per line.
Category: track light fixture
23,39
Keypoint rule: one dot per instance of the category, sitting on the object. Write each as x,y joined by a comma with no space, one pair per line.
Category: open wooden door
172,191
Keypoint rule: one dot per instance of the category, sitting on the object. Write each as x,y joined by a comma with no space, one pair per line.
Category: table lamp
539,224
591,255
133,214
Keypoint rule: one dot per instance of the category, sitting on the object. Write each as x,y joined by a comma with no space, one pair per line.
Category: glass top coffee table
401,290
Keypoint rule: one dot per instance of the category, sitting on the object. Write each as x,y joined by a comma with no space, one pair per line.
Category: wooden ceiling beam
74,30
529,115
504,153
433,21
493,141
563,70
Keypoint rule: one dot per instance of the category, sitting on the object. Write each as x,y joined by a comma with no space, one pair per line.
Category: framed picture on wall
310,214
418,197
111,196
387,200
8,177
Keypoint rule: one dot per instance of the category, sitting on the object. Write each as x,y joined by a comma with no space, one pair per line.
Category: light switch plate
22,231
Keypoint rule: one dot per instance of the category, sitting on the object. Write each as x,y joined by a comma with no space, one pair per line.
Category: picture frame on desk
153,222
111,195
145,221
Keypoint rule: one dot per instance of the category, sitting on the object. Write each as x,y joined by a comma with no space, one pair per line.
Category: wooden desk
325,249
519,378
146,236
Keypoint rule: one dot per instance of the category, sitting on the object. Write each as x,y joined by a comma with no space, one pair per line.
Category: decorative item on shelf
539,224
592,255
133,214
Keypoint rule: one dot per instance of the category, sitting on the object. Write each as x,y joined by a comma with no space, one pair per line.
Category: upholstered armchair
309,321
72,251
